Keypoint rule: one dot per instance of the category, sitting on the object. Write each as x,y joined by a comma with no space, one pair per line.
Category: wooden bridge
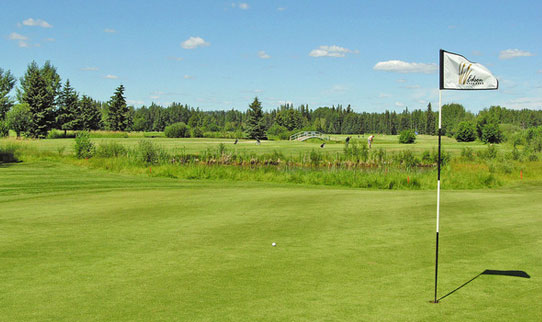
302,136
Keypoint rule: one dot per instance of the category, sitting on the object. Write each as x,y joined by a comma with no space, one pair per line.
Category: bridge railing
307,134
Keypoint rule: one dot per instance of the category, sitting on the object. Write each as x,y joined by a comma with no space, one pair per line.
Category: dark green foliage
197,132
149,153
491,133
289,118
407,137
7,81
68,115
278,131
465,132
39,88
19,118
430,125
84,148
177,130
255,125
4,129
90,117
55,134
118,112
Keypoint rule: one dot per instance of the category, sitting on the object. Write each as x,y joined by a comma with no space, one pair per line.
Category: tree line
43,103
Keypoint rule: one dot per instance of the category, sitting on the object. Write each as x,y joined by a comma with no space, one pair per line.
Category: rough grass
88,245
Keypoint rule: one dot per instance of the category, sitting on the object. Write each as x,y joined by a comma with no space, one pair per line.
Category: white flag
457,72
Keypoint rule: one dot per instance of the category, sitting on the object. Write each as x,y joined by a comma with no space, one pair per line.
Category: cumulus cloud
194,42
399,66
263,55
525,102
89,68
240,5
513,53
111,76
331,51
36,23
188,77
281,9
109,30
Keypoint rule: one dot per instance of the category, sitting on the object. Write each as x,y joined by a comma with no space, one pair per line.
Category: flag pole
438,187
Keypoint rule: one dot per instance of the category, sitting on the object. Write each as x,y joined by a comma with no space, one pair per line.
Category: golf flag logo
457,72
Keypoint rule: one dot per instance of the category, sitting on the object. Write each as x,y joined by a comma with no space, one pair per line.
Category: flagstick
438,186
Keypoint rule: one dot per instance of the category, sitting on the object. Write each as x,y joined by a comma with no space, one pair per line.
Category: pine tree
117,116
7,81
39,88
255,125
430,121
68,114
91,116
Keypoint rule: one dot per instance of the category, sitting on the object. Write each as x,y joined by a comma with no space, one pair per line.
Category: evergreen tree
68,113
255,125
91,116
7,81
39,88
117,116
430,121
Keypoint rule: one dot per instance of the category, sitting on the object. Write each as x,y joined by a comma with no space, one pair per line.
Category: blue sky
374,55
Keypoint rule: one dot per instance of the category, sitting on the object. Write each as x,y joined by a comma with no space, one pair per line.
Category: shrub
198,133
84,148
491,133
407,137
149,153
4,129
177,130
466,132
56,134
467,153
111,149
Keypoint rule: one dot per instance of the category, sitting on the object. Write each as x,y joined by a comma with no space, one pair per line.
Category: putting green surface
77,244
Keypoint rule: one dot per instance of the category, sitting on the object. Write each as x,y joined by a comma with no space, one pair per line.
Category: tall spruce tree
7,81
39,89
430,121
117,116
255,122
90,117
68,113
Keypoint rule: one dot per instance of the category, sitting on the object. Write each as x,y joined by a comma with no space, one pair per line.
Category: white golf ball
274,244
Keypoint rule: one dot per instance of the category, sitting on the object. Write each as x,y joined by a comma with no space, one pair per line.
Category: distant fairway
77,244
198,145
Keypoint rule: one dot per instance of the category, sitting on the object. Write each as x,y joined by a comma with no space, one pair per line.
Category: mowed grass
86,245
389,143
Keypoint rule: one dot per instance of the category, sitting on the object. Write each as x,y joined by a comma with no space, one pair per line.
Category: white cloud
188,77
281,9
109,30
243,6
175,58
539,71
111,76
263,55
50,39
36,23
399,66
134,102
399,104
525,102
16,36
513,53
331,51
194,42
23,44
89,68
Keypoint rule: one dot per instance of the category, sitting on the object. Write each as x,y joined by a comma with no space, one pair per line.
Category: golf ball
274,244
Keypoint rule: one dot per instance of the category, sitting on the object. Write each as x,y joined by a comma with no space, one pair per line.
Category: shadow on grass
489,272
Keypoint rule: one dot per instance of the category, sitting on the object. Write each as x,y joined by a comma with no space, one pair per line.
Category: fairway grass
89,245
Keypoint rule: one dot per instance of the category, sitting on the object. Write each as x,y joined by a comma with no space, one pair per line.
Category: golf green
86,245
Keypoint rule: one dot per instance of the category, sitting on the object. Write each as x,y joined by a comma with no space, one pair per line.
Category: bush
197,132
407,137
177,130
149,153
111,149
466,132
56,134
84,148
491,133
4,129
